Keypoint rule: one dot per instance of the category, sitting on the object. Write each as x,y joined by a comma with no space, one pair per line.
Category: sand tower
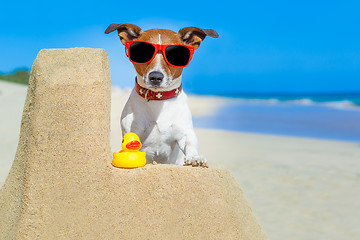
62,184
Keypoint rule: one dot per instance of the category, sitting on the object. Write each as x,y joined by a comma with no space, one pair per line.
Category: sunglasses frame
159,47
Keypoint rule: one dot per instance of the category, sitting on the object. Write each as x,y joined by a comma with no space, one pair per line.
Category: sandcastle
62,184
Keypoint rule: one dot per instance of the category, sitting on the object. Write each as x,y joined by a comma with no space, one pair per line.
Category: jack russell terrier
157,109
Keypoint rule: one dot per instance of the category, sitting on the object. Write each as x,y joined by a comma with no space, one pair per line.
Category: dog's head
158,74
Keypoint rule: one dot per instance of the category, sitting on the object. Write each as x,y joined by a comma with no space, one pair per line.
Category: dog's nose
156,77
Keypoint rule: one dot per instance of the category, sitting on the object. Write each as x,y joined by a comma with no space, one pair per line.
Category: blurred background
292,58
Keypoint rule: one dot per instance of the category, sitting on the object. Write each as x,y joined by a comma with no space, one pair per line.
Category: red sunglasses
142,52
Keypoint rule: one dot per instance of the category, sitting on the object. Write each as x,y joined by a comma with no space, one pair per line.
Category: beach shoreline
298,188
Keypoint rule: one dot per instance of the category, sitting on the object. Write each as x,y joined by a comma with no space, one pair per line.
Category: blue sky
264,46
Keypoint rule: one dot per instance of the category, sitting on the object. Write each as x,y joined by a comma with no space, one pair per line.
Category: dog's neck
149,94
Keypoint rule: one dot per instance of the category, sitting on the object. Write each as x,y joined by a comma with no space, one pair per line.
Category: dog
157,109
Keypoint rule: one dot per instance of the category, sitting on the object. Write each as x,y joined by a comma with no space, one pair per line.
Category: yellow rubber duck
129,156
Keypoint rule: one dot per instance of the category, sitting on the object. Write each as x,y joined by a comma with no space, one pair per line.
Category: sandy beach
298,188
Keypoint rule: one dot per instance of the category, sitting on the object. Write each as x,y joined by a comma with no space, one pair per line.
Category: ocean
333,117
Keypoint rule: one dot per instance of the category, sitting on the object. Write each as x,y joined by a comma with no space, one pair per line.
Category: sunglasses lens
177,55
141,52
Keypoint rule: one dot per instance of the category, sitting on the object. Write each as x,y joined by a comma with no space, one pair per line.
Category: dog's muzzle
156,78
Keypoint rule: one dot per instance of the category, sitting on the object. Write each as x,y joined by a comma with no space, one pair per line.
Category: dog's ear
194,36
126,32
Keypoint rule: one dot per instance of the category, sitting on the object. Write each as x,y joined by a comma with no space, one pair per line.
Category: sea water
334,117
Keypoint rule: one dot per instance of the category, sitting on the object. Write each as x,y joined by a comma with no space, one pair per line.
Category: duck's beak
133,145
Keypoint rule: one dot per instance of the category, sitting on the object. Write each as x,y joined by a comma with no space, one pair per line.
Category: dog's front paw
196,161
